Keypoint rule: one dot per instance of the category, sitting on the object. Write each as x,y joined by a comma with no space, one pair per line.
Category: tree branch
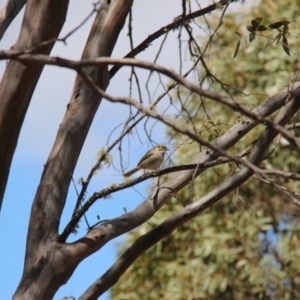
78,65
181,129
19,81
100,236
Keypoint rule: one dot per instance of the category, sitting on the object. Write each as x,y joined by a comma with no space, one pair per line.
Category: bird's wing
147,155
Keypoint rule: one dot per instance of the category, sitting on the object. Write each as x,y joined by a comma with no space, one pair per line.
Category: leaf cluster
256,28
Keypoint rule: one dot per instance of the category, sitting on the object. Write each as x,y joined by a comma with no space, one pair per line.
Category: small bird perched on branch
152,160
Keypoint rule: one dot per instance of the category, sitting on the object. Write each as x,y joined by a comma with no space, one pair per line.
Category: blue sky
39,129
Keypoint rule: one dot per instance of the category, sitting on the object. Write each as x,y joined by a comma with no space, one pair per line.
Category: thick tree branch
97,237
49,202
217,151
167,227
118,187
42,21
78,65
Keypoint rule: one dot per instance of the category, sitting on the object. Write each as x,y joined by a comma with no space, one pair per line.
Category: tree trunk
48,263
42,21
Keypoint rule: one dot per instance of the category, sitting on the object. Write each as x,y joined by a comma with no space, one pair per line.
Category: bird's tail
129,173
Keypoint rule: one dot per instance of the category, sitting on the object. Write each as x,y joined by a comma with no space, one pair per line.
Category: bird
152,160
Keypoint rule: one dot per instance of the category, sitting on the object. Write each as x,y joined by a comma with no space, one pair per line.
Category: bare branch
181,129
183,19
77,65
288,193
293,126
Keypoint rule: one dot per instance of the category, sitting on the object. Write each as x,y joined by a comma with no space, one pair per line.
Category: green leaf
262,28
211,137
254,24
285,45
278,24
237,48
241,263
223,284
